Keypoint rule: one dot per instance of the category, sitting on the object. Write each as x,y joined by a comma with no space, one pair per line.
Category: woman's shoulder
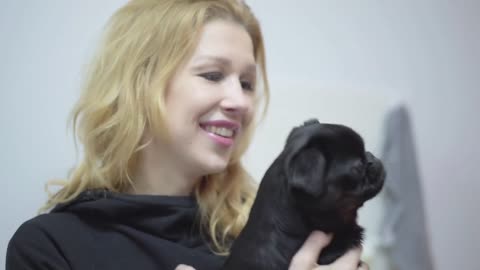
46,228
37,242
49,221
48,224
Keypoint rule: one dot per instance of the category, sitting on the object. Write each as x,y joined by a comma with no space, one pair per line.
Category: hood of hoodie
173,218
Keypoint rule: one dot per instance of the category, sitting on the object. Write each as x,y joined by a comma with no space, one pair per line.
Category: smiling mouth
220,131
221,134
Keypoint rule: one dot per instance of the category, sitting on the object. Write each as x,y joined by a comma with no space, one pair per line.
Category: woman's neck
157,173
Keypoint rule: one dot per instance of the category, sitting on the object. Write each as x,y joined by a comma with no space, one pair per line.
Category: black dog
318,182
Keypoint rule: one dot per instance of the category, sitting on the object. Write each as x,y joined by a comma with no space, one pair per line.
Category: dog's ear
306,170
294,131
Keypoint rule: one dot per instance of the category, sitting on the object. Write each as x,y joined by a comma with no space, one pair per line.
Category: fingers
184,267
307,256
349,259
361,266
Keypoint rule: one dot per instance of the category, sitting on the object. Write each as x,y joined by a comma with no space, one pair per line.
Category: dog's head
329,174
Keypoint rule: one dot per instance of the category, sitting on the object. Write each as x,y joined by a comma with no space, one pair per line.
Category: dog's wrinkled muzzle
375,176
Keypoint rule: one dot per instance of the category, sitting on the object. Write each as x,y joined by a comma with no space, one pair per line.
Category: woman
166,113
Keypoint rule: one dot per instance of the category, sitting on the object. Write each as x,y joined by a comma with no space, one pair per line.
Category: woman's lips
222,132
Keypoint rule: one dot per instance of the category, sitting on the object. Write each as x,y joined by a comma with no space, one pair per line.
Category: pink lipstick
221,132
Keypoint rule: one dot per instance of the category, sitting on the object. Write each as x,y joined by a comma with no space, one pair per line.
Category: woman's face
210,100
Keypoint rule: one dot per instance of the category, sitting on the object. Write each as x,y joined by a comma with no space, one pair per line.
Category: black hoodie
101,230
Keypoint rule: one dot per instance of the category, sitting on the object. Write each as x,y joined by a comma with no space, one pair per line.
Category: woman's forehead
224,42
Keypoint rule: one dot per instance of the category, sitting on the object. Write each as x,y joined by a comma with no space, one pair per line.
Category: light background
427,51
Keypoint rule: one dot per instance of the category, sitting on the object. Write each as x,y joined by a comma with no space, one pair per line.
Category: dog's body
318,182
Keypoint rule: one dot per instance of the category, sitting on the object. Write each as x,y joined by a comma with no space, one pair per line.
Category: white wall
426,51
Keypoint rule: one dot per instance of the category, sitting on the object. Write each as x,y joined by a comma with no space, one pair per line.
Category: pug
318,182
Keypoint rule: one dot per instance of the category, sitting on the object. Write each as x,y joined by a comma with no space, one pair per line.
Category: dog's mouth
348,214
339,214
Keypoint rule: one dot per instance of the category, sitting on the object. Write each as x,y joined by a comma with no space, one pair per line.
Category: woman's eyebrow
250,68
211,58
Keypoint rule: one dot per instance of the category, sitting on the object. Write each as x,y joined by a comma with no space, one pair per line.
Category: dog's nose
311,122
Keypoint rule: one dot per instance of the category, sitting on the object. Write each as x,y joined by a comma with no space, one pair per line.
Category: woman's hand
306,257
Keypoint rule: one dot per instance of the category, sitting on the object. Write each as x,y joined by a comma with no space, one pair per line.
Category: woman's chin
214,165
217,168
214,162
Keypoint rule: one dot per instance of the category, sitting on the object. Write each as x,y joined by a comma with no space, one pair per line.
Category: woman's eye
247,85
212,76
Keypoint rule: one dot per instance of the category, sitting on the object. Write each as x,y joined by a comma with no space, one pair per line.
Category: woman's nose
236,99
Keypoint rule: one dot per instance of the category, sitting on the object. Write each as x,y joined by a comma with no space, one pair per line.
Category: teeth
221,131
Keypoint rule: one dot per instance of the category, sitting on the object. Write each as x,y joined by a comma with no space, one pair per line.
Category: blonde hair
144,43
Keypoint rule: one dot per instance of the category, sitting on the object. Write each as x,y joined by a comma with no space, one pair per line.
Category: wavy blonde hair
145,42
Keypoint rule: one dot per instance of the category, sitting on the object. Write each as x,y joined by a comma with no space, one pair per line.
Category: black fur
318,182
